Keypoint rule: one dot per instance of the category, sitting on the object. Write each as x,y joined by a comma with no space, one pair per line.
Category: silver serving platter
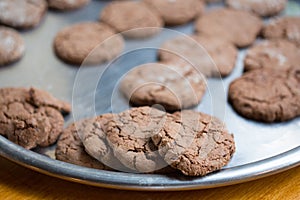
262,149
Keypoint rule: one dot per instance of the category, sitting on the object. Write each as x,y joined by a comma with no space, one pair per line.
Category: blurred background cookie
91,42
22,13
284,27
12,46
263,8
239,27
67,4
127,15
177,12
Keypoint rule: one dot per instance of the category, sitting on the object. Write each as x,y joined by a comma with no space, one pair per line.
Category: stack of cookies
148,140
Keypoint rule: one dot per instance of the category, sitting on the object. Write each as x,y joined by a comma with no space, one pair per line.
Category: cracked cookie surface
267,95
93,137
235,26
88,42
31,117
70,148
173,85
274,54
211,56
129,135
12,46
194,143
22,13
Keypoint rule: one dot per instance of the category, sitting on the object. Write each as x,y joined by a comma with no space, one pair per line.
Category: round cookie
173,85
211,56
129,135
22,13
11,46
262,8
88,42
275,54
67,4
177,12
267,95
235,26
194,143
93,137
128,15
285,27
31,117
70,149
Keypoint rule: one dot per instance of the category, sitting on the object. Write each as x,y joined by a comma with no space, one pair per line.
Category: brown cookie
267,95
263,8
67,4
211,56
93,137
70,149
194,143
173,85
88,42
285,27
22,13
11,45
31,117
177,12
129,135
275,54
235,26
128,15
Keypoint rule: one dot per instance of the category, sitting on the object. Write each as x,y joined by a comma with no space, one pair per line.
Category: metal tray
262,149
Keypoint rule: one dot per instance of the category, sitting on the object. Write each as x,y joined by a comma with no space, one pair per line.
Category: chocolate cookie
262,8
173,85
128,15
194,143
238,27
11,45
129,135
88,42
70,149
22,13
67,4
285,27
275,54
177,12
93,137
31,117
267,95
211,56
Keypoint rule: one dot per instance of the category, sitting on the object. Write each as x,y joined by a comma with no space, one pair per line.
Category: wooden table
17,182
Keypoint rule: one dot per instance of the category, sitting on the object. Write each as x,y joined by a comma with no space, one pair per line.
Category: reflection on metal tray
262,149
